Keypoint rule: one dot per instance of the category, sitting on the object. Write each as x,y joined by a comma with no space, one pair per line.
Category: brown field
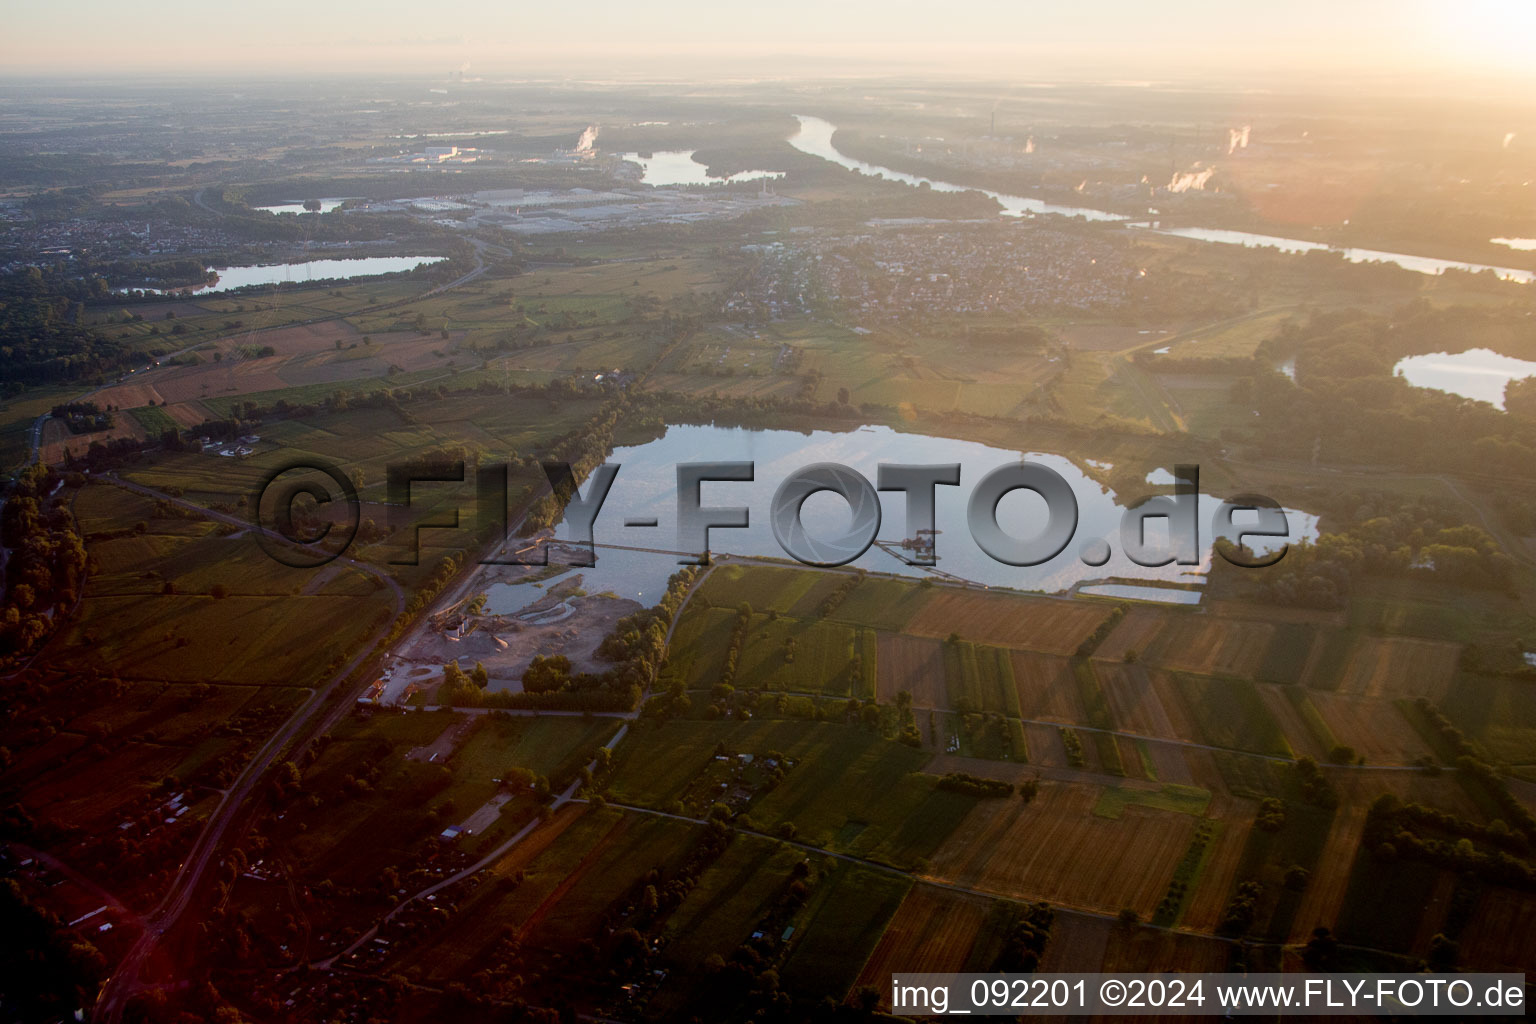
1149,949
1130,757
1047,689
1138,631
1005,620
1045,746
304,355
189,414
1204,772
1211,646
1442,791
1167,691
1437,906
914,664
1400,667
1078,943
56,438
1297,733
933,930
1171,762
1502,933
1133,700
1054,848
1375,728
1230,609
1204,908
1330,879
301,339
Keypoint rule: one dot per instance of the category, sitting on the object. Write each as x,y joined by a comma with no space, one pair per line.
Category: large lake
312,270
1479,373
677,167
646,487
815,138
297,206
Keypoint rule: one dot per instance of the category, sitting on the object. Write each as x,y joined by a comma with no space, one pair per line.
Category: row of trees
45,569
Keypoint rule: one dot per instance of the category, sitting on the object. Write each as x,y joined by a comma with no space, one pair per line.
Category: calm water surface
646,487
1478,373
815,138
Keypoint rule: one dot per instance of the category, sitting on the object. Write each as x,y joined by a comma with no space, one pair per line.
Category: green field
821,660
840,929
697,653
1497,712
763,587
980,678
1180,799
849,791
553,747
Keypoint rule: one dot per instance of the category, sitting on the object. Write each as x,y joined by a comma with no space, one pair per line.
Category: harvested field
933,930
1168,762
1204,771
1207,901
1133,702
56,438
1438,906
1211,646
1228,608
1302,737
1230,713
1005,620
1324,896
1138,631
914,664
1166,688
1375,728
1441,791
1502,933
1400,667
188,414
1045,745
302,356
1148,949
1054,848
1077,944
1047,689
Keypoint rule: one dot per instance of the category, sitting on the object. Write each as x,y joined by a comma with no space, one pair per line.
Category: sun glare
1496,35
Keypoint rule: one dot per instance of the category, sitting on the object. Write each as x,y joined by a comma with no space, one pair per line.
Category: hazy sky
1023,38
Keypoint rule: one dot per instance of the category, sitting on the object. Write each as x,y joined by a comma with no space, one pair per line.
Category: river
815,138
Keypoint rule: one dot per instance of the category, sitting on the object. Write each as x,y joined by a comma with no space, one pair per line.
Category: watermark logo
306,534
